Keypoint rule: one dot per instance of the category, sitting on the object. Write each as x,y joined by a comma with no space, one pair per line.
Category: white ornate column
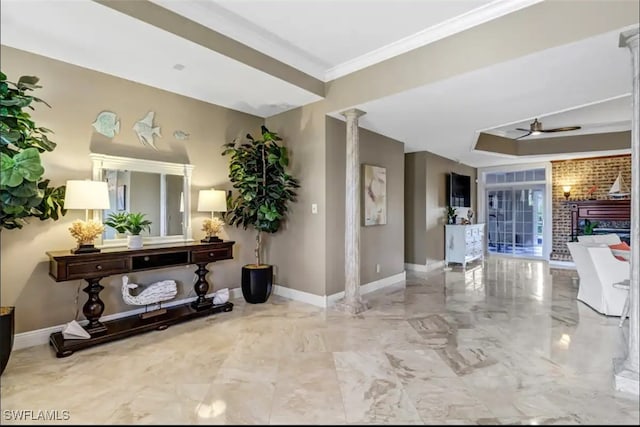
627,371
352,302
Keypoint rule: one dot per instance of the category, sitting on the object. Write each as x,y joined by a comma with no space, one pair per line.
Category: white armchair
608,239
599,270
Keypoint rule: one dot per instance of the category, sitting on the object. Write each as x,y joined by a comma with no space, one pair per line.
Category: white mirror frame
104,161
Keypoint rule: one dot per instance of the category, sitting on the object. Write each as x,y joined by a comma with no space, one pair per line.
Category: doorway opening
516,212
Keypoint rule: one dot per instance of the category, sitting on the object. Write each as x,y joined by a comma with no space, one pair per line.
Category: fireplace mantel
598,210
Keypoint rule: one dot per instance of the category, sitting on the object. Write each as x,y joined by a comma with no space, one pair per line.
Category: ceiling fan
535,128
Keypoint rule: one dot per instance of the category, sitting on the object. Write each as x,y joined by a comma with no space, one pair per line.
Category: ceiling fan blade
524,130
526,134
563,129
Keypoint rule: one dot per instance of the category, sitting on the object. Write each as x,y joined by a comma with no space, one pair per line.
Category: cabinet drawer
81,270
211,255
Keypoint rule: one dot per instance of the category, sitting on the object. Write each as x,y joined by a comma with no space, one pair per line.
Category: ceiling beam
554,145
542,26
174,23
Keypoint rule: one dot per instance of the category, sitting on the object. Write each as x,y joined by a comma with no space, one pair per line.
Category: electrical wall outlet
314,208
377,268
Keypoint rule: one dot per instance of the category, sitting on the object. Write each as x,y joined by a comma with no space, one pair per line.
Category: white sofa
599,270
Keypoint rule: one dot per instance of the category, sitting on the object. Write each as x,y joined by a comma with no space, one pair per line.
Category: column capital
627,37
353,113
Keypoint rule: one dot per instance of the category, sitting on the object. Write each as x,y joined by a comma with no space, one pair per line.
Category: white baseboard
435,266
424,268
415,267
370,287
41,336
325,301
383,283
562,264
296,295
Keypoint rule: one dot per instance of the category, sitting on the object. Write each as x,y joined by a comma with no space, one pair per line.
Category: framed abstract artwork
374,188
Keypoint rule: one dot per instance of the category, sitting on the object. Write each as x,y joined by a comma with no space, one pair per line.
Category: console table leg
201,287
94,307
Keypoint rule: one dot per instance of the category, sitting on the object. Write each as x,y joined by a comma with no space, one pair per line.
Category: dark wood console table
92,267
601,210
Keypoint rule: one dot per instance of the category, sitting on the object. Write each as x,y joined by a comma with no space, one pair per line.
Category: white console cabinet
463,243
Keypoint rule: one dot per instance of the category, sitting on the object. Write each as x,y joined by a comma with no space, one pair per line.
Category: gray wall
437,169
425,184
297,250
415,208
380,244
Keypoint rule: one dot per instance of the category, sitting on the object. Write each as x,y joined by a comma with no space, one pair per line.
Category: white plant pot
134,242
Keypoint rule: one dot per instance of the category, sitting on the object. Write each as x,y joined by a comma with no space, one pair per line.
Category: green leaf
23,166
26,189
20,102
23,192
10,137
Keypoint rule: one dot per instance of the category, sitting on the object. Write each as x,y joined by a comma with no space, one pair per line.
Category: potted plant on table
134,225
451,214
117,221
24,193
258,172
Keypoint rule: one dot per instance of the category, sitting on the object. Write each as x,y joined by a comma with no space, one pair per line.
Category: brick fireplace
582,175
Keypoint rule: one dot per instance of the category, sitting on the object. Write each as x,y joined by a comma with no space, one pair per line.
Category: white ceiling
345,31
586,83
446,117
93,36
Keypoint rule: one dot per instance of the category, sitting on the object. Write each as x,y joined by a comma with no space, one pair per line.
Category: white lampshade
86,195
212,201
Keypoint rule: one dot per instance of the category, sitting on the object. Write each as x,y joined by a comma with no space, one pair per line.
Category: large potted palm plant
258,172
24,193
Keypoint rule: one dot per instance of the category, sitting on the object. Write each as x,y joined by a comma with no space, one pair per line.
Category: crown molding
480,15
227,22
232,25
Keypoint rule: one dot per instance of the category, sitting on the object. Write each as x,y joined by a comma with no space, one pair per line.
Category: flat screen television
459,190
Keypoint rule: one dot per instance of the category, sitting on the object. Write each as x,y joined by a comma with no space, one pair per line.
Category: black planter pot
7,327
257,282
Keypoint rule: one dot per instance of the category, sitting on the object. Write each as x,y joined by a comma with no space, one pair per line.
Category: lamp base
85,249
211,239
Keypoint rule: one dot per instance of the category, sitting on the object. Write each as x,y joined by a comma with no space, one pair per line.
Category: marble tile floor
504,342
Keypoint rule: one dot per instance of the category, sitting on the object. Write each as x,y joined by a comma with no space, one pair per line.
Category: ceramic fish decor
145,130
107,124
180,135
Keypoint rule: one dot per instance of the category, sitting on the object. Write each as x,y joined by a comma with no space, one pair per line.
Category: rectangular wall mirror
160,190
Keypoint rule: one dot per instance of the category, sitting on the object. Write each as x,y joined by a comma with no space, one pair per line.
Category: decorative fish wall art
145,130
107,124
180,135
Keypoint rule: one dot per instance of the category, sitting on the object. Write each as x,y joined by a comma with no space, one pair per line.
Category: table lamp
212,201
86,195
